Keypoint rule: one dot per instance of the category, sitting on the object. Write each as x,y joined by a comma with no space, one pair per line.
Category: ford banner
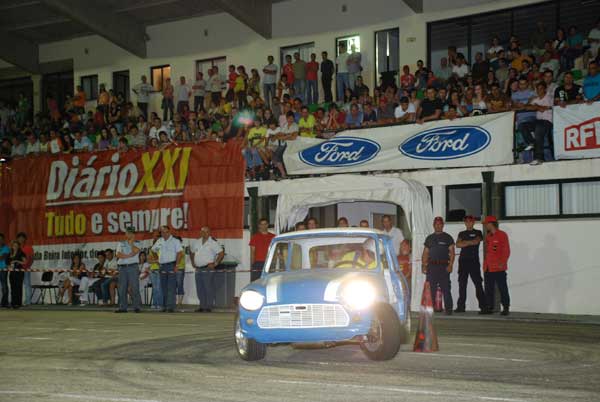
577,131
473,141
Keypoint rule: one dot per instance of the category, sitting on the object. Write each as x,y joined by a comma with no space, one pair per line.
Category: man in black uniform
437,261
468,264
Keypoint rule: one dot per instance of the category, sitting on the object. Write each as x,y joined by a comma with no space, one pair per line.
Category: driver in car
363,258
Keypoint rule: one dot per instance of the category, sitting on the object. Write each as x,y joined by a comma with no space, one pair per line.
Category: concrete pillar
37,105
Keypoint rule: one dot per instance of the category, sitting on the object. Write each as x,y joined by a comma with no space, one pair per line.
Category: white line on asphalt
476,357
86,397
401,390
33,338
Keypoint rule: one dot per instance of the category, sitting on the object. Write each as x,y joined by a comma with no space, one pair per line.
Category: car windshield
319,252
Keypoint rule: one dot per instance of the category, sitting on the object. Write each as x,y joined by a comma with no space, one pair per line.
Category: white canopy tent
297,196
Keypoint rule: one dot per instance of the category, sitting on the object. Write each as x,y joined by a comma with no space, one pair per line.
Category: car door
396,281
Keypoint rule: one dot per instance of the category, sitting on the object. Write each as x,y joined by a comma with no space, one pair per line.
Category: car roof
333,232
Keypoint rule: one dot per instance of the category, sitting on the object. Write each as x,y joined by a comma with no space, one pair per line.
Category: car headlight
251,300
358,295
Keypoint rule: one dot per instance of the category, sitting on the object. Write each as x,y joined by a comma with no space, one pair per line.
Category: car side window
383,256
279,260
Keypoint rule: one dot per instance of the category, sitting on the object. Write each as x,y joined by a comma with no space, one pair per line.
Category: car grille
303,316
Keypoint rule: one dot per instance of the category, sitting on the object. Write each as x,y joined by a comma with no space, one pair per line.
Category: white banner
577,131
473,141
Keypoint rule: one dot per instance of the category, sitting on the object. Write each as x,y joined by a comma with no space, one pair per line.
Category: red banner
93,197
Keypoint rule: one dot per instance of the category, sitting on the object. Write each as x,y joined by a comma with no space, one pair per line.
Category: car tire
247,349
388,337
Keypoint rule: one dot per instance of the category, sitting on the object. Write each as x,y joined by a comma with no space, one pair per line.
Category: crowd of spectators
265,112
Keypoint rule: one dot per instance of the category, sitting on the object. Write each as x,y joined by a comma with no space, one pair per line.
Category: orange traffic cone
426,338
438,306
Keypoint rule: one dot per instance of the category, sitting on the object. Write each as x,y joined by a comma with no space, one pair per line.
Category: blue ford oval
342,151
442,143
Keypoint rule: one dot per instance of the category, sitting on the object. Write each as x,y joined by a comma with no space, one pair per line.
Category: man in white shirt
342,77
18,148
460,69
394,232
143,91
269,81
33,145
199,88
170,252
182,95
206,254
405,112
157,126
214,86
128,252
594,39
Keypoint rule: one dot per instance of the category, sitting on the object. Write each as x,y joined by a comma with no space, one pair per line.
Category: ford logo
342,151
446,143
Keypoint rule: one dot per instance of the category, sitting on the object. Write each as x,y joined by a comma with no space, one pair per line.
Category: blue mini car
326,286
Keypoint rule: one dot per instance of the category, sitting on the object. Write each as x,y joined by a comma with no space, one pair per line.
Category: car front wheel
384,338
247,349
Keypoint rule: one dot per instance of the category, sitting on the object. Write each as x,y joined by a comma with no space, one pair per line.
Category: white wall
552,268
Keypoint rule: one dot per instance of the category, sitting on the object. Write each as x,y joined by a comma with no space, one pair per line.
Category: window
581,198
531,200
483,30
463,200
202,66
444,34
246,212
158,76
89,83
280,257
472,34
387,51
352,43
568,198
305,49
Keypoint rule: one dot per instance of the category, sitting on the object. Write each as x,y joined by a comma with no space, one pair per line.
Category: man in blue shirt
591,83
4,253
354,119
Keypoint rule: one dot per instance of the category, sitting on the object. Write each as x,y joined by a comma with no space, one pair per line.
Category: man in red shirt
231,77
288,70
497,252
28,251
259,246
312,76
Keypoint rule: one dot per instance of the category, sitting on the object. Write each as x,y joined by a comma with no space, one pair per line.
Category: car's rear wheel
247,349
384,338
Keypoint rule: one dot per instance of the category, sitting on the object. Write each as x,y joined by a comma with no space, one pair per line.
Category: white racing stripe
461,396
504,359
272,288
85,397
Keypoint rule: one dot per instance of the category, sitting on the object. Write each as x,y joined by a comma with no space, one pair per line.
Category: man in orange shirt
259,247
497,252
79,100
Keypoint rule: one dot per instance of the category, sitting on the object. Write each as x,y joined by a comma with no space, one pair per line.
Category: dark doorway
10,90
121,83
59,86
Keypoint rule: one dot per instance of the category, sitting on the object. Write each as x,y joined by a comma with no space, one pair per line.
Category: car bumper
359,324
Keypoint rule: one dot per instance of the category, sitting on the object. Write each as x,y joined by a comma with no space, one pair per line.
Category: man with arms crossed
206,255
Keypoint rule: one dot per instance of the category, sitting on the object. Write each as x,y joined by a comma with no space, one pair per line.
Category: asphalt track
75,355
